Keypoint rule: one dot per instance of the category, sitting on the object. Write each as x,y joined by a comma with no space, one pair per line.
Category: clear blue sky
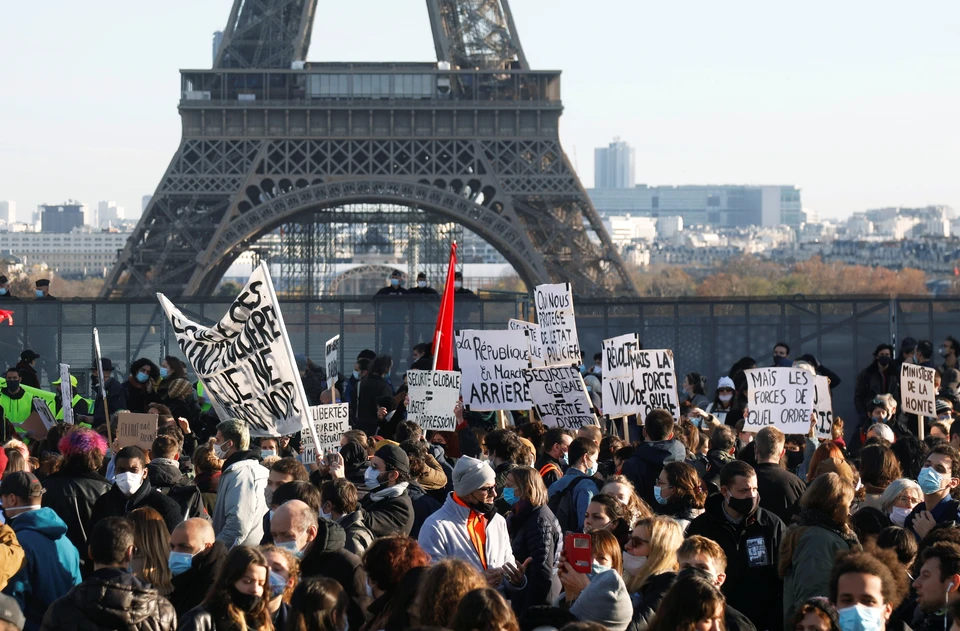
856,102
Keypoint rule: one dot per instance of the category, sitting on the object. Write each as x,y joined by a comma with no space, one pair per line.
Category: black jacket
548,474
647,600
312,386
711,472
780,491
358,535
423,506
733,620
72,495
191,587
111,599
138,398
752,547
28,375
870,383
535,534
116,400
372,389
167,479
115,504
644,466
327,557
390,515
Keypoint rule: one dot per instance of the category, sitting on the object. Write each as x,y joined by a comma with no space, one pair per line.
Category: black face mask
744,506
794,459
247,603
13,385
487,509
883,360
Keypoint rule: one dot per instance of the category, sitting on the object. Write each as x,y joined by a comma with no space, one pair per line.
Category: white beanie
470,474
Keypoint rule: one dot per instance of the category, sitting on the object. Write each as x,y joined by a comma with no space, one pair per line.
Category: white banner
655,383
823,407
533,340
246,362
917,390
433,396
329,422
332,361
617,391
558,325
66,394
560,397
492,363
781,398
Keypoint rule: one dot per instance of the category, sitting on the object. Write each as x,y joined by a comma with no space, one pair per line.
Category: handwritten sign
560,396
433,396
136,429
329,423
823,407
917,390
558,325
493,363
617,391
332,360
533,339
781,398
655,382
66,394
246,362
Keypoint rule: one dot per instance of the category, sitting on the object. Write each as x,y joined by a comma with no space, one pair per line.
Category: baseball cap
22,484
28,355
73,382
726,382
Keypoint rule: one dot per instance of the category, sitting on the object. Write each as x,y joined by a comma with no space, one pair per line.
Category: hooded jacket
644,466
52,566
190,588
165,476
115,504
111,599
72,494
535,534
327,557
604,601
241,504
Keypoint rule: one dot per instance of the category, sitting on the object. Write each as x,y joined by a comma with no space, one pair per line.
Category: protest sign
533,339
136,429
433,396
492,363
560,396
917,391
329,422
558,325
66,394
246,362
617,390
33,426
43,410
823,407
655,383
332,360
781,398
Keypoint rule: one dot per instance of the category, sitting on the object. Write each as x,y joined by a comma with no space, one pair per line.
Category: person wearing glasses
468,527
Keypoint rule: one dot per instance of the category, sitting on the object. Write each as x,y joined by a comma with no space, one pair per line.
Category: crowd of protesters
501,525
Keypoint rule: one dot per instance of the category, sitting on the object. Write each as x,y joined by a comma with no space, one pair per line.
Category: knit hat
395,458
179,388
726,382
10,611
605,601
943,405
470,474
825,606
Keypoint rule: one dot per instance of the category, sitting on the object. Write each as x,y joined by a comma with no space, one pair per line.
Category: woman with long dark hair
237,600
693,603
318,604
679,493
605,512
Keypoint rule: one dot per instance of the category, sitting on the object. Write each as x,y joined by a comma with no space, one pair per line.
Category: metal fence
707,336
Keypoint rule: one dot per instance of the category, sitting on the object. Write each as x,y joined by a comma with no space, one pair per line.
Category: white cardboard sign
655,383
823,407
781,398
533,340
492,363
329,424
332,360
560,397
558,325
917,390
433,396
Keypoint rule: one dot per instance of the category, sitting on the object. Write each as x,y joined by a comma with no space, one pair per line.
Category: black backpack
563,507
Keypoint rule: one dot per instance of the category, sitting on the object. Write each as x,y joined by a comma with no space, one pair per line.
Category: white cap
726,382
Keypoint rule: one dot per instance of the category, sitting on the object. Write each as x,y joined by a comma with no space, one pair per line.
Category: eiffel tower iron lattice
269,139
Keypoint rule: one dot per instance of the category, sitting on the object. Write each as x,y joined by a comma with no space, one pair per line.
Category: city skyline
854,122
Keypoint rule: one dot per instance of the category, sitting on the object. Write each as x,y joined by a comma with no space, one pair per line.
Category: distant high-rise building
62,218
8,212
217,40
109,214
614,166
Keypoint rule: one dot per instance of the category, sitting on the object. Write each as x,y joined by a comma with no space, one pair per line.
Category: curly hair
879,563
442,587
388,559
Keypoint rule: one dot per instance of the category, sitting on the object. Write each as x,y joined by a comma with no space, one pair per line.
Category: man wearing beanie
468,527
387,509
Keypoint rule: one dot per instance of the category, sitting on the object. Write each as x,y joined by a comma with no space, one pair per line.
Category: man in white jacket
241,504
468,527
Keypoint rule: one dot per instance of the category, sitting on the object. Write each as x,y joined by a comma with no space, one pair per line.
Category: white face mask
899,515
219,450
129,482
421,283
725,397
457,284
632,565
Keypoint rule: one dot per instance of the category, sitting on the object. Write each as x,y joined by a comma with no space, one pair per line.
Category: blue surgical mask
277,585
591,471
659,495
583,369
508,495
861,618
290,546
3,292
394,282
179,562
164,372
596,569
930,480
39,293
356,374
142,377
266,453
371,478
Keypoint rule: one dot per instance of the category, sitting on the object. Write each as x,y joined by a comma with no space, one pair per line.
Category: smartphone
576,547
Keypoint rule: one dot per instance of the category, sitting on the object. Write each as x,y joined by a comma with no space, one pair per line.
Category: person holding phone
600,595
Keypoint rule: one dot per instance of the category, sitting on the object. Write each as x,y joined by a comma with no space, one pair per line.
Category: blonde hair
530,485
665,539
637,509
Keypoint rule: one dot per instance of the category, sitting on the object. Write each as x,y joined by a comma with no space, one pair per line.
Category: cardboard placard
492,365
823,407
655,383
433,396
34,426
533,340
136,429
781,398
332,360
617,391
329,424
558,325
560,397
917,391
66,394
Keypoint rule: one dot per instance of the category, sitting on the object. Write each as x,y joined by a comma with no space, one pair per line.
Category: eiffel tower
269,139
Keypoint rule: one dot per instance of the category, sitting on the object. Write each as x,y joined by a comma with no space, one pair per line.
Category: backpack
188,498
563,506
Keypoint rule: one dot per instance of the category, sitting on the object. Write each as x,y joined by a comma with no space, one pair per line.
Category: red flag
6,315
443,334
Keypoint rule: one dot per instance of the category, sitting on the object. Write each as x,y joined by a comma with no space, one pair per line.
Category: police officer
5,289
43,289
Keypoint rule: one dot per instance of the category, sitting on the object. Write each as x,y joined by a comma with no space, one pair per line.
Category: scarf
391,491
819,519
476,529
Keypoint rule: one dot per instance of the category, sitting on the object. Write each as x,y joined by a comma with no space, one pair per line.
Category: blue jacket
582,494
52,564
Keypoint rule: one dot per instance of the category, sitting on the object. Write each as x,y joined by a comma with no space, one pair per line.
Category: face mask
883,360
164,372
142,377
509,495
277,585
861,618
371,478
179,562
794,459
129,482
39,293
267,453
487,509
291,546
421,283
945,417
457,284
583,369
356,374
268,495
725,398
3,292
271,512
16,511
565,459
659,495
744,506
219,450
930,480
246,603
596,568
13,384
631,564
943,351
326,516
394,282
589,389
899,515
590,471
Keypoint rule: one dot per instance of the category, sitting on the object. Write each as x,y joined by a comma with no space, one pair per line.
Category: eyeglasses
487,490
635,541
